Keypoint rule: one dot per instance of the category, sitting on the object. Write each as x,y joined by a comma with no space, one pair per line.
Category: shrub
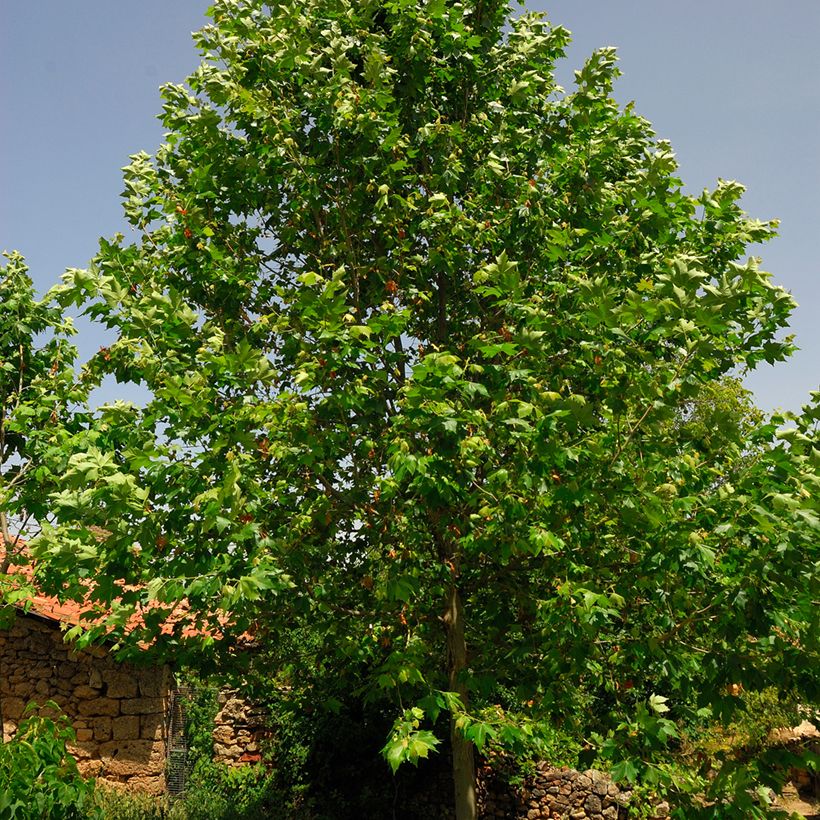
217,792
38,777
115,804
214,793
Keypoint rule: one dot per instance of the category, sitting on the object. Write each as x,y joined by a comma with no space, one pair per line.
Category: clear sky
733,84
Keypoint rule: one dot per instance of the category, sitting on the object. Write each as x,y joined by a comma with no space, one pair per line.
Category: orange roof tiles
73,613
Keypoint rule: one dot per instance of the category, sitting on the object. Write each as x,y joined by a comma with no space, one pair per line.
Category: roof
76,613
68,612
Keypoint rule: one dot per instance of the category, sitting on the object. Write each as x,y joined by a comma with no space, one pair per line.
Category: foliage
38,777
214,793
117,804
763,713
428,345
308,774
717,770
201,707
36,387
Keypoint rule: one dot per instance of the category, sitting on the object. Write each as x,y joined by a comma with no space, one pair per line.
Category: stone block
234,711
600,783
152,727
142,706
13,708
129,758
152,683
85,692
102,728
119,684
223,734
125,728
101,707
89,767
63,702
83,750
84,735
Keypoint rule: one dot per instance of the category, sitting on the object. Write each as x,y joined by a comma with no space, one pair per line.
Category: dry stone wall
117,711
551,793
239,727
558,793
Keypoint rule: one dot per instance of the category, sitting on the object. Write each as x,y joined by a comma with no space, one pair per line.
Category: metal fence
178,764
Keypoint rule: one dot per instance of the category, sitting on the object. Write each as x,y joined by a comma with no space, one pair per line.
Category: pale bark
6,545
463,751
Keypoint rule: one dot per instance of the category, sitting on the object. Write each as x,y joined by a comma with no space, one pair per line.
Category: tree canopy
36,387
433,352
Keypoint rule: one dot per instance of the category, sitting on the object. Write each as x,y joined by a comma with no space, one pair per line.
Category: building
128,719
118,711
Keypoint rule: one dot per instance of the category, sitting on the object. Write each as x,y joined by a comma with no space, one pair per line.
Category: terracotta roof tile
73,613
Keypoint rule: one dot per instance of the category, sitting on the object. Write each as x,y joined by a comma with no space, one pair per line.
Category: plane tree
418,332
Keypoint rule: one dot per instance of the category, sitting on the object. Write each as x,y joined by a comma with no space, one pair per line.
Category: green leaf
624,771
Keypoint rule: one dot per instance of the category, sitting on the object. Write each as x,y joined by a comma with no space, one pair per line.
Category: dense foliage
38,778
427,345
36,387
214,793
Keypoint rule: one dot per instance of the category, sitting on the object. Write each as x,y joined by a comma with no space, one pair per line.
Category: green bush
201,708
38,777
115,804
727,769
218,792
214,793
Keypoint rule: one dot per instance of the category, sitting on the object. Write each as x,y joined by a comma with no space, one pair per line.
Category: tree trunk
463,754
5,544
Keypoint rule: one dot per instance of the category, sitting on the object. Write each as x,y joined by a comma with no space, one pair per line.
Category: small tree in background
36,386
39,779
421,333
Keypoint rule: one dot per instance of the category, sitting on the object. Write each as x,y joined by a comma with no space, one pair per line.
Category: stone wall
559,793
117,711
239,727
551,793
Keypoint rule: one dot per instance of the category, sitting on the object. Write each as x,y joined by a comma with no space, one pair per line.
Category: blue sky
733,84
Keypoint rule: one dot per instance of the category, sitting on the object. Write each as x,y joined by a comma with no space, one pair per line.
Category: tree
417,330
36,386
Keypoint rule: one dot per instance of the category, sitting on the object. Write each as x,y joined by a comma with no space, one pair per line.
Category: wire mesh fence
178,763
